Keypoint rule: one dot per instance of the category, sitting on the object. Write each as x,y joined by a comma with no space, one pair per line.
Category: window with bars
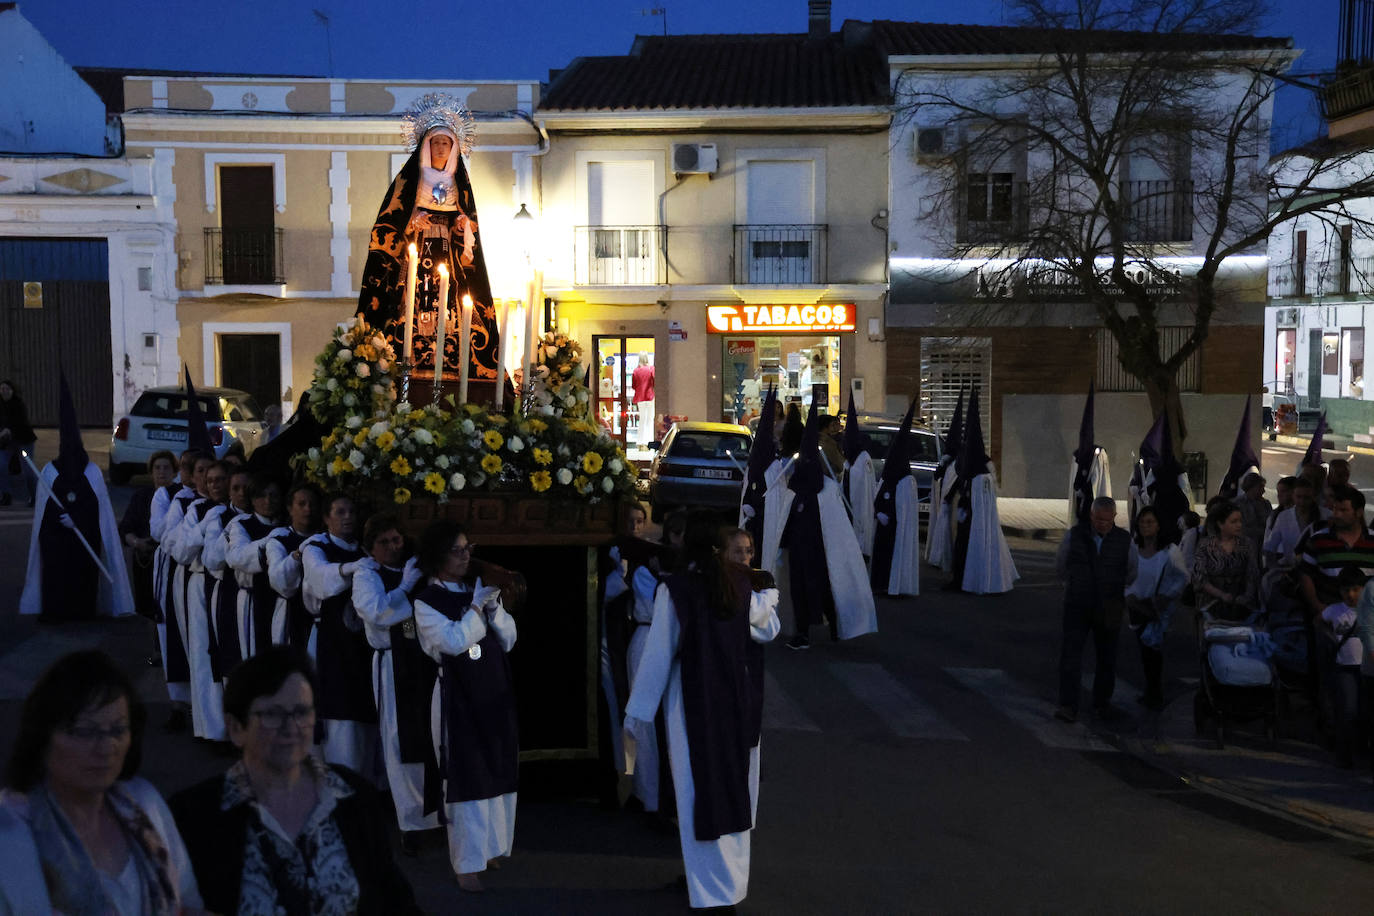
1112,376
950,366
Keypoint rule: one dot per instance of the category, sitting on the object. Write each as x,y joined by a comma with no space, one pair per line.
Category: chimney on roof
818,18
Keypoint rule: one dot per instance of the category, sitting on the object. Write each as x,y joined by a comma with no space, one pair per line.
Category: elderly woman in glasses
281,832
79,832
464,627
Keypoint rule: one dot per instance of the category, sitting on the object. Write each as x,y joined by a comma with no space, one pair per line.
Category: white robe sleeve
764,624
171,525
188,540
242,553
157,513
440,636
284,571
615,580
656,664
374,604
216,541
503,625
321,579
645,584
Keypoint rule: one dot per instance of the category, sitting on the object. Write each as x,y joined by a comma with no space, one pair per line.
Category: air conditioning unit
934,144
694,158
1286,318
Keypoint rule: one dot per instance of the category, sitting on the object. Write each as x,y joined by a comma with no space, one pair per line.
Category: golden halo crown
438,109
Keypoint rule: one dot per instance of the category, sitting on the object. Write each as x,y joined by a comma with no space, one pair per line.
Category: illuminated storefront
796,347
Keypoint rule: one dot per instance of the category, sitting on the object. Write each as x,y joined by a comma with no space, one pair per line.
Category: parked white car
158,421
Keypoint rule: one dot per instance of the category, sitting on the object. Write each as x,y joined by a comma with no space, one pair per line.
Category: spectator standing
1343,541
16,436
1159,580
1254,508
1226,566
1344,654
1095,560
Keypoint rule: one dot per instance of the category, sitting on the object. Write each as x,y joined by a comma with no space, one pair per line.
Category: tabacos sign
779,319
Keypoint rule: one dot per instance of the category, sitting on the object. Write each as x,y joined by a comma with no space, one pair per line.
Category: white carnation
423,436
582,395
467,427
345,354
378,428
349,398
383,365
356,458
457,482
354,421
608,484
478,478
363,370
547,410
514,444
331,384
564,476
379,342
564,451
442,461
314,453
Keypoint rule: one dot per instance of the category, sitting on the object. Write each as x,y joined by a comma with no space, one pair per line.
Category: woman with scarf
80,833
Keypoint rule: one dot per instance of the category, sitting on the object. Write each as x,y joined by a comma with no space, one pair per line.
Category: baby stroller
1238,680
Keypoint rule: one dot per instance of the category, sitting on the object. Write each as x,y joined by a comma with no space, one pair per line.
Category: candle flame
413,250
467,301
443,270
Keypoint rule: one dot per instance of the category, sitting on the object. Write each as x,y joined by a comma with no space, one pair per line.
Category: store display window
626,392
805,368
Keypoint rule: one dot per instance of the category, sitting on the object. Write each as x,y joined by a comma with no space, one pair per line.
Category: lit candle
530,335
441,326
502,348
464,328
412,265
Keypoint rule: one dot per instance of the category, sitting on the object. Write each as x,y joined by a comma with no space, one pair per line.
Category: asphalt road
915,770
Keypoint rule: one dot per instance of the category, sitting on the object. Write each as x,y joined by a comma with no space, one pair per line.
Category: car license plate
167,435
712,473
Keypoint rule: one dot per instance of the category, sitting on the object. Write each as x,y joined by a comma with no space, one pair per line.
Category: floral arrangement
439,453
354,375
559,387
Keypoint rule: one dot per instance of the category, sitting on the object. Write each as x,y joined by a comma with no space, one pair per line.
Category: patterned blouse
1236,573
311,874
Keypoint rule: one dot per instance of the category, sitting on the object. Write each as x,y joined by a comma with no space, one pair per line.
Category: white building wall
45,107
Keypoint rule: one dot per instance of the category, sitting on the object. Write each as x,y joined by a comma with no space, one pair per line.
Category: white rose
345,354
467,427
331,384
354,421
383,365
547,410
564,451
356,458
615,465
379,389
478,478
607,484
349,399
378,428
457,482
550,352
379,342
363,370
314,453
423,436
442,461
564,476
582,395
514,444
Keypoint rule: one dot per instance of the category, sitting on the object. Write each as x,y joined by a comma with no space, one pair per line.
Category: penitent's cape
381,300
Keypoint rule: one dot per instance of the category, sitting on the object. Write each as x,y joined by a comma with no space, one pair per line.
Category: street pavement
914,770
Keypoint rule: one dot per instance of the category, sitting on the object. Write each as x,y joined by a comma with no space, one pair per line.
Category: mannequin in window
642,380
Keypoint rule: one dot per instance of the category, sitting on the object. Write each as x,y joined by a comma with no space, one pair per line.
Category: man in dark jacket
1096,561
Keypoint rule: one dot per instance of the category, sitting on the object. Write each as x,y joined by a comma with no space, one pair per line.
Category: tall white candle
441,326
529,333
412,265
464,329
503,330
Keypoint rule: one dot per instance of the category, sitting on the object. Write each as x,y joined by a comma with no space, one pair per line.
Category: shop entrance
805,368
625,395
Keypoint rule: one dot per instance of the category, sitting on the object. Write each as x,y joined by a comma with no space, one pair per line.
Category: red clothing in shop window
642,380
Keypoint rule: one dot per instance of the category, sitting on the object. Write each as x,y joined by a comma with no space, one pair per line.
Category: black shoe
800,641
1066,714
410,843
633,804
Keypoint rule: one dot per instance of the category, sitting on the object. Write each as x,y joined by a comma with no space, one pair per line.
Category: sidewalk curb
1035,534
1296,813
1353,448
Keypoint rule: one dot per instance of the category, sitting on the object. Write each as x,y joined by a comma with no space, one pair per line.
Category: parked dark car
925,449
698,464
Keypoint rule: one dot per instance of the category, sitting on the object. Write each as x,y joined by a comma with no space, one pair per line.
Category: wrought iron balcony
1318,279
993,210
244,257
1158,211
780,254
619,255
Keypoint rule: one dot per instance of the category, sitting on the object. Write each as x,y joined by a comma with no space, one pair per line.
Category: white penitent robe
717,870
989,569
644,778
778,506
482,829
905,575
863,487
207,694
855,611
938,552
115,597
1099,479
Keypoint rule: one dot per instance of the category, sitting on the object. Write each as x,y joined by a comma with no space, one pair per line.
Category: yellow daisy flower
492,464
538,425
591,462
400,466
542,456
361,438
540,481
401,495
493,439
386,440
340,466
434,482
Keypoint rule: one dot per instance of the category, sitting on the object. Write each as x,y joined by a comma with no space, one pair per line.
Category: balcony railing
780,254
1316,279
1158,211
619,255
993,212
244,257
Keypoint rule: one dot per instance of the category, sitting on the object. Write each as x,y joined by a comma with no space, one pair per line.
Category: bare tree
1133,132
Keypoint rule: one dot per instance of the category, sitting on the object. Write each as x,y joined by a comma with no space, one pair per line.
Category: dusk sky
523,39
